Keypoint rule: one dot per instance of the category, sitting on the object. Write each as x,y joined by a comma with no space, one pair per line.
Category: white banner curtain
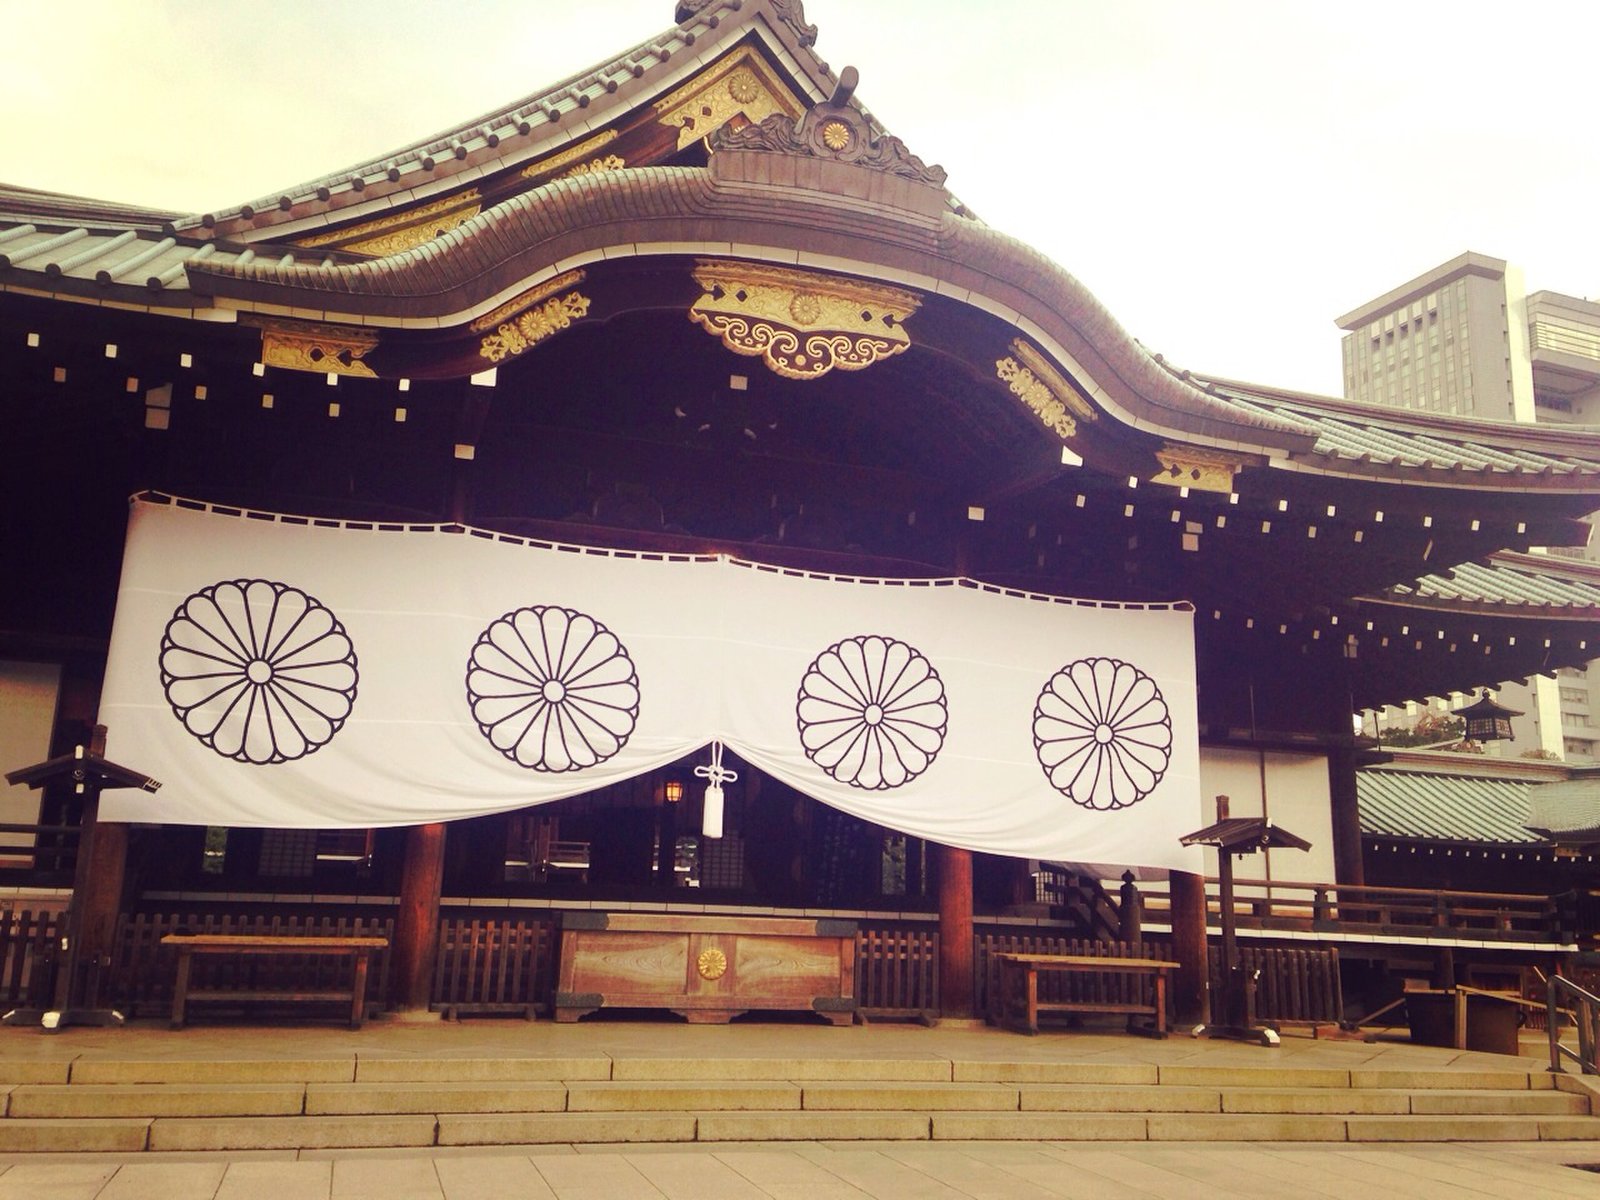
279,672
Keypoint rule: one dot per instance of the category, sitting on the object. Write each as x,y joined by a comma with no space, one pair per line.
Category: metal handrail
1585,1009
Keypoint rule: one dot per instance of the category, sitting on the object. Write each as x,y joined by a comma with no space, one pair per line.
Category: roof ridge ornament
791,12
834,130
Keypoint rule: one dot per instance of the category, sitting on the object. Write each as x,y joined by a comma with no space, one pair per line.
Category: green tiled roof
1369,434
1417,805
1523,581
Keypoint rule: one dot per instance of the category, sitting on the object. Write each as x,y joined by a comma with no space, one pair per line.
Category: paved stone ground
828,1171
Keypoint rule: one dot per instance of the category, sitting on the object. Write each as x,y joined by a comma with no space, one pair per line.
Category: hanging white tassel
715,776
711,820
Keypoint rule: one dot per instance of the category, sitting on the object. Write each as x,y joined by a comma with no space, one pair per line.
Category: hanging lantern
1486,720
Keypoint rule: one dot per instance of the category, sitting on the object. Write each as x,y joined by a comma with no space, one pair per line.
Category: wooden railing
1395,912
897,971
505,963
26,941
494,966
1300,986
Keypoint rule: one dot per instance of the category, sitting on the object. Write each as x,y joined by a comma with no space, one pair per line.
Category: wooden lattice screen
1293,985
25,944
897,971
494,966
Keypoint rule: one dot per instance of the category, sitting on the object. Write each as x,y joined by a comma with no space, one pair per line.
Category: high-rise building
1466,339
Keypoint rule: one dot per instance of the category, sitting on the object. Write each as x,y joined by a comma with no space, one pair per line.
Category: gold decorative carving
404,230
836,136
800,323
325,349
533,326
1032,378
739,85
570,155
1201,470
712,964
611,162
527,299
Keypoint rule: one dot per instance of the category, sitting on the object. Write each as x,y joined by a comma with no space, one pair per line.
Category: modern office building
1466,339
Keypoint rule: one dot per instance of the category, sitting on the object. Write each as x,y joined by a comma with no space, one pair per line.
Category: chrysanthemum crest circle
552,689
1102,733
871,712
258,670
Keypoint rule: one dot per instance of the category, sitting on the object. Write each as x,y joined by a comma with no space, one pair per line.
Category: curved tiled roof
877,219
129,255
1351,433
1429,806
901,227
19,205
570,108
1515,582
1569,808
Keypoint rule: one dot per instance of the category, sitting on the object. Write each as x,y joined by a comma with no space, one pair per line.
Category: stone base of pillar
410,1016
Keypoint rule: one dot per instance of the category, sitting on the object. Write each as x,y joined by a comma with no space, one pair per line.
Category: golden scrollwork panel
324,349
402,231
800,323
533,325
527,299
572,154
611,162
740,85
1034,381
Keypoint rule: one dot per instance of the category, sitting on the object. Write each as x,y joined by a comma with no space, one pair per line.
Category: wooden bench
358,949
1019,1004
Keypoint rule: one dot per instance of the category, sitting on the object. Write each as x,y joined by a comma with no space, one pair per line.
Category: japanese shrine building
695,306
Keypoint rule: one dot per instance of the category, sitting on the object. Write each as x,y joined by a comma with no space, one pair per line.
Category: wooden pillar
416,927
97,881
955,932
1191,996
1347,863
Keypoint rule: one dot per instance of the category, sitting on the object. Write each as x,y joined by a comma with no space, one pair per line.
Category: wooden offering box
707,969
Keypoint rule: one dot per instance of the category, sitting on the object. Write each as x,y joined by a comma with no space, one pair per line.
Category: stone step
394,1101
927,1070
100,1100
566,1069
388,1099
214,1070
58,1135
393,1131
291,1133
650,1096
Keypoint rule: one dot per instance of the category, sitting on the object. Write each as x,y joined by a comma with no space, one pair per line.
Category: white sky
1227,176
